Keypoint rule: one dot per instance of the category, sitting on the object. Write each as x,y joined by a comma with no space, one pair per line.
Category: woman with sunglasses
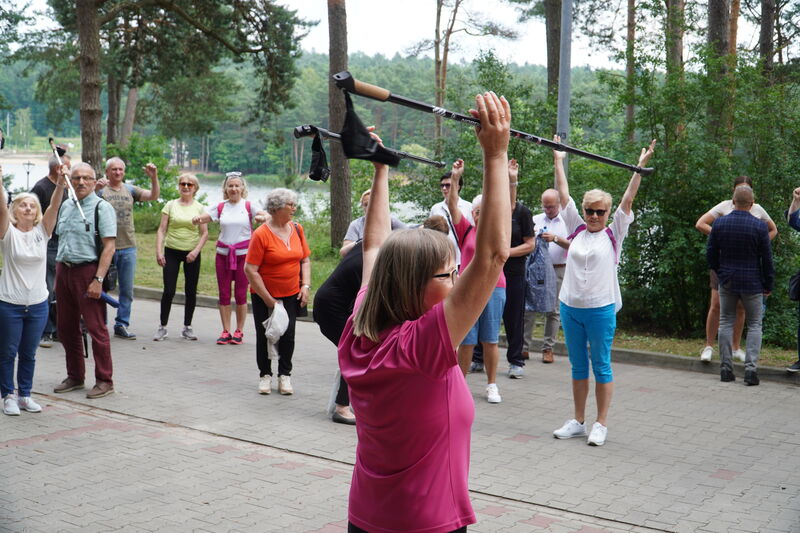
184,242
235,217
397,353
590,297
486,329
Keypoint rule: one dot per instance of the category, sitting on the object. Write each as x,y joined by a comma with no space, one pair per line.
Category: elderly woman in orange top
278,268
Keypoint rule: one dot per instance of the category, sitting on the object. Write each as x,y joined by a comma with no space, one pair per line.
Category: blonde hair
193,179
18,200
406,262
596,195
231,176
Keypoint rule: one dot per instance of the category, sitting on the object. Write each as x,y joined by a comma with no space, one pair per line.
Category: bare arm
191,256
560,176
773,229
527,246
205,218
795,205
51,214
160,233
703,223
4,220
513,182
305,281
251,271
155,188
378,225
452,193
346,247
633,186
464,304
109,247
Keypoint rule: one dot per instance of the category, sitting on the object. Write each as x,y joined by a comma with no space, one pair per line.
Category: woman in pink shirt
397,354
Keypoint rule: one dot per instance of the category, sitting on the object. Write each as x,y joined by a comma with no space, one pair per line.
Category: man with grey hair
84,255
121,196
43,189
740,253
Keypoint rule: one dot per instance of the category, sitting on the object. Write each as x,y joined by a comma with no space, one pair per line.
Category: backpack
608,232
221,205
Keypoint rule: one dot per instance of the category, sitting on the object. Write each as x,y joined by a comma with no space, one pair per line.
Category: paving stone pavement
187,444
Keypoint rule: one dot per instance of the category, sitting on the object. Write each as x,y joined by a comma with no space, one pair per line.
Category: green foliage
140,151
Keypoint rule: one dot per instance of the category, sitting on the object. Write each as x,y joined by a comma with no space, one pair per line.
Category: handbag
110,279
794,287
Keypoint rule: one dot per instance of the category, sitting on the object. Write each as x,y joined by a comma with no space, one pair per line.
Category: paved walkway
187,444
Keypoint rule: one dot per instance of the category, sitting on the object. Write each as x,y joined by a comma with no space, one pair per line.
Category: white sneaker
10,405
26,403
285,385
739,355
492,394
598,435
571,428
705,355
265,385
161,333
188,333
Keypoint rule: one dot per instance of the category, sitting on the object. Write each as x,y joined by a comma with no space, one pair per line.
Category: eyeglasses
187,184
598,212
453,275
82,178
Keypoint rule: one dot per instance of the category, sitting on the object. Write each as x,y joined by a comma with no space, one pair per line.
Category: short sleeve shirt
181,233
122,201
415,413
22,280
278,264
556,226
75,244
726,207
355,231
235,224
521,228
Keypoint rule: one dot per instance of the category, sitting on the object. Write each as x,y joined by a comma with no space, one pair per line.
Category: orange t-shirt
278,265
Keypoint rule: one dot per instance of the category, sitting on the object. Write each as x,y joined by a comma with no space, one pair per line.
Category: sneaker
739,355
516,372
188,333
100,390
794,368
706,354
26,403
571,428
47,341
123,333
492,394
751,378
161,333
285,385
10,405
237,337
726,375
475,367
598,435
68,385
224,338
265,385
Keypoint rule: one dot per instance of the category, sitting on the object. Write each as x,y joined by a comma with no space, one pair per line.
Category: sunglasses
444,186
453,275
598,212
187,184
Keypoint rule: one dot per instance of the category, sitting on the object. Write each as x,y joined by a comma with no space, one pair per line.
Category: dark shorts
713,280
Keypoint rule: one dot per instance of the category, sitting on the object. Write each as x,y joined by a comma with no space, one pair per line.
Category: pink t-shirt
414,413
466,237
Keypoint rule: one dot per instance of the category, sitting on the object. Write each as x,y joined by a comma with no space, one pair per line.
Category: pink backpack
608,232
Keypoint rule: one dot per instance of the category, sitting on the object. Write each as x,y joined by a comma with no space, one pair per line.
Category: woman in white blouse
590,297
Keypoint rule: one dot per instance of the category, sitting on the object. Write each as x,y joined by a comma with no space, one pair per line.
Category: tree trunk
552,21
89,59
675,24
717,65
341,208
114,87
630,72
766,43
130,116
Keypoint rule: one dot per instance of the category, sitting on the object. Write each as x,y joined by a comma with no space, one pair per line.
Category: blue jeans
487,328
21,329
125,260
595,325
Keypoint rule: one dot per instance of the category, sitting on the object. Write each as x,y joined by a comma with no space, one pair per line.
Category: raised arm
466,301
559,175
513,180
51,214
4,220
633,186
378,224
155,188
452,193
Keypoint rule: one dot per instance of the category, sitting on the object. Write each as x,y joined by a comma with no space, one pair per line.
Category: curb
619,355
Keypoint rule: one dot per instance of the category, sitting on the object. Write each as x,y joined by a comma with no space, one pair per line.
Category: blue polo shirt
75,244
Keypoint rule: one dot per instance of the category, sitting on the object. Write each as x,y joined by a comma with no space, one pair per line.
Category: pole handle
345,80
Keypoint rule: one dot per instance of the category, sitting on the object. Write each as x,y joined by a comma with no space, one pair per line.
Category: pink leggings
225,276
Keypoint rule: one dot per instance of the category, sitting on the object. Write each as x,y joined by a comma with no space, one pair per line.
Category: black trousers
285,345
355,529
191,274
332,325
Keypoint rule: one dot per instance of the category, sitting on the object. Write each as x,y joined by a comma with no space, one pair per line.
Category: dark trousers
332,325
50,279
191,274
71,286
513,320
355,529
285,345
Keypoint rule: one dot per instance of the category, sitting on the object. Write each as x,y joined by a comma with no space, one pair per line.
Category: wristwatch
99,278
555,239
306,286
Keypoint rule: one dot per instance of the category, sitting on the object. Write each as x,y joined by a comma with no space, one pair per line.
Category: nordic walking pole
70,188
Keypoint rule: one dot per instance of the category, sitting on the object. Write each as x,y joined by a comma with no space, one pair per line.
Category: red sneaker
237,337
224,338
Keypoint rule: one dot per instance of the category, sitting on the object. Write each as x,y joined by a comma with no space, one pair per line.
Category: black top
521,227
334,300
